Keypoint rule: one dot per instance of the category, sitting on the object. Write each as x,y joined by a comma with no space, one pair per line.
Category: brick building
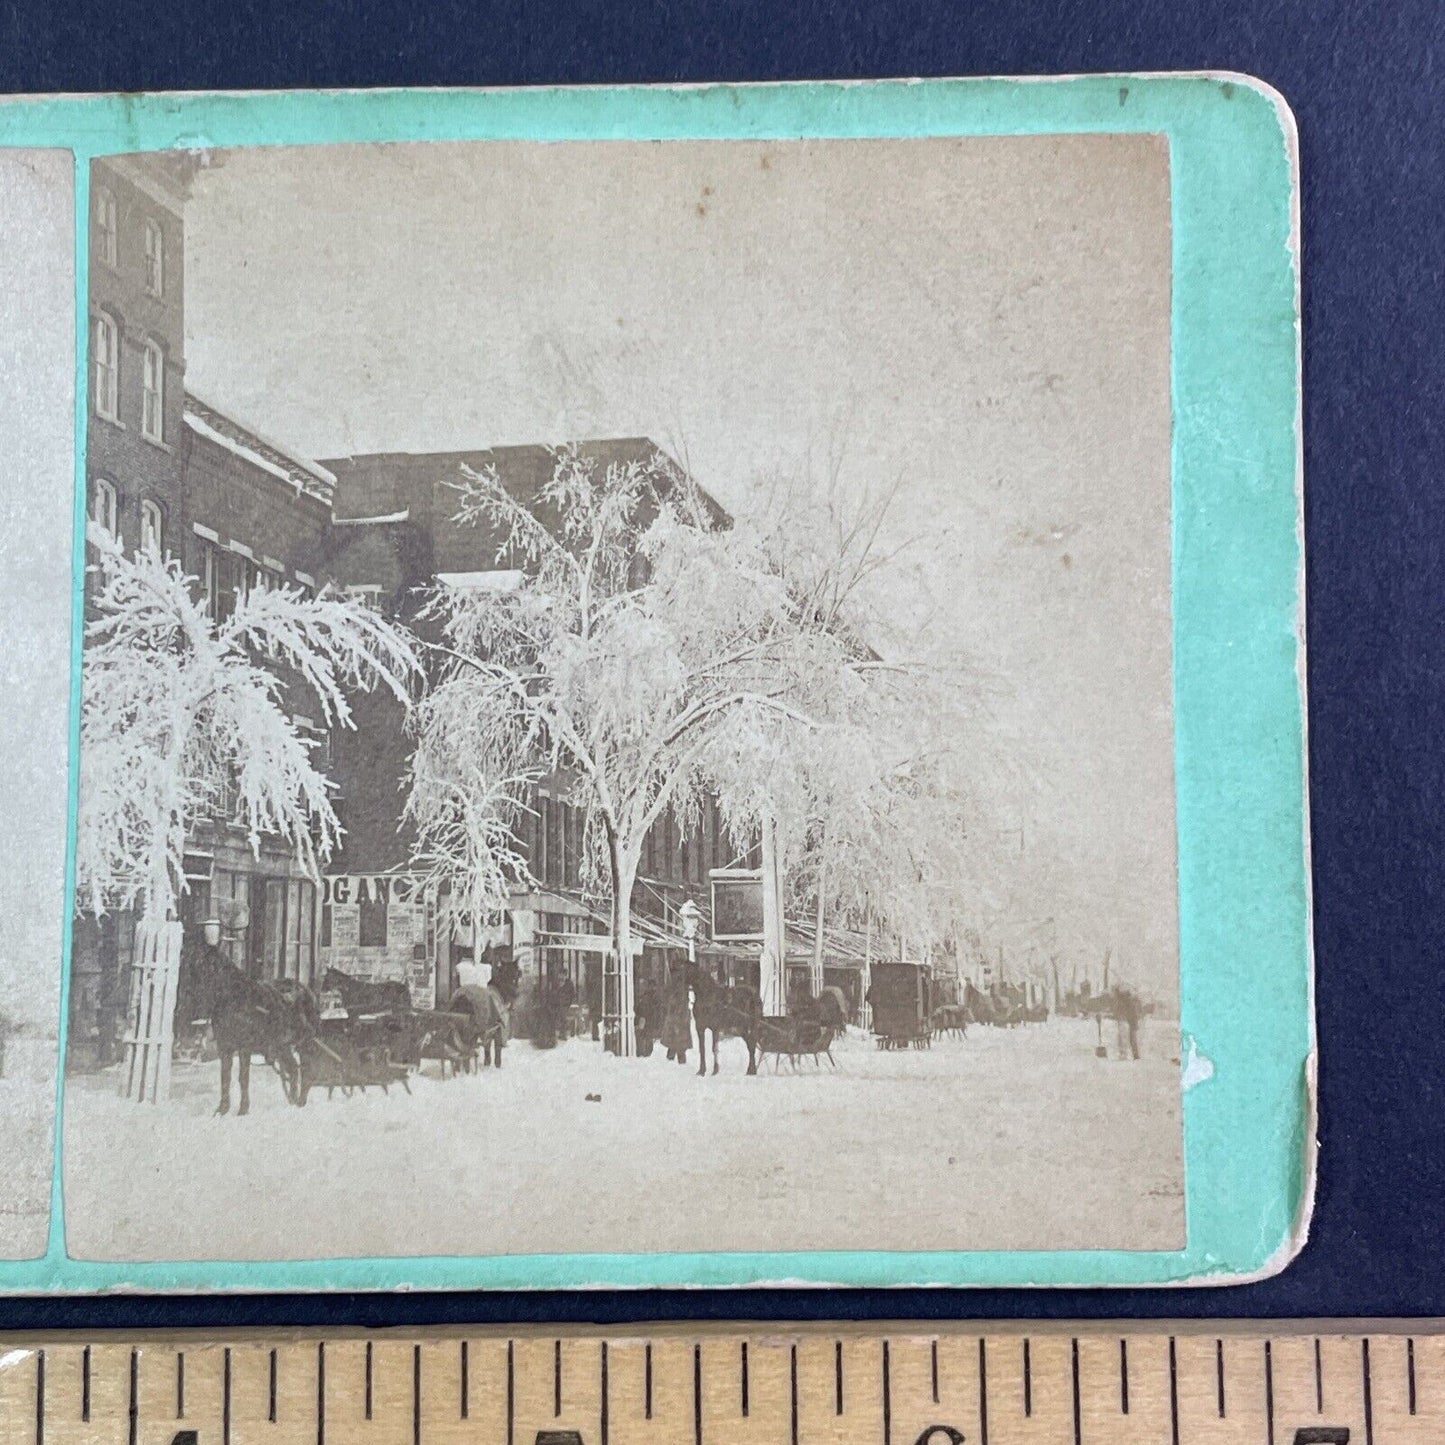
166,470
133,463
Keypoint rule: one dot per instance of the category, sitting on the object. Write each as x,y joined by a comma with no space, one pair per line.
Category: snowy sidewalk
1010,1139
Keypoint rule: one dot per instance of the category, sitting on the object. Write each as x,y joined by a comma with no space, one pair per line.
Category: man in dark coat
201,960
1128,1010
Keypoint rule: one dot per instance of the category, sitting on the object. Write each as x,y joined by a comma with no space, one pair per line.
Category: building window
155,259
273,942
210,574
106,234
153,393
104,508
300,919
106,343
152,528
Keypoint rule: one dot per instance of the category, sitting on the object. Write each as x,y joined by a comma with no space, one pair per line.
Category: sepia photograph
627,702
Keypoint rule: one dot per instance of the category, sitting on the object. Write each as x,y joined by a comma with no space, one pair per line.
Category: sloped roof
245,441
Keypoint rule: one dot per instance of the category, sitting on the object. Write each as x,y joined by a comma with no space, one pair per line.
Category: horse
487,1022
951,1019
829,1007
360,997
251,1017
735,1011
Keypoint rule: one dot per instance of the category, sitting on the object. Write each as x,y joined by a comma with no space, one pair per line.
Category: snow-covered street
1009,1139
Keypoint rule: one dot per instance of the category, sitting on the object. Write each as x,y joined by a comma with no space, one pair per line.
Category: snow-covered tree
182,715
635,645
632,628
874,805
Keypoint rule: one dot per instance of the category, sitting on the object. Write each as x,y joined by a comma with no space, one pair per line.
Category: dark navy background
1365,82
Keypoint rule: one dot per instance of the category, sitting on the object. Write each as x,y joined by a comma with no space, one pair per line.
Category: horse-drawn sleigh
354,1036
901,998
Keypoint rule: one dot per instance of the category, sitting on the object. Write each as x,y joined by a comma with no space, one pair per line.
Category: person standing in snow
1128,1011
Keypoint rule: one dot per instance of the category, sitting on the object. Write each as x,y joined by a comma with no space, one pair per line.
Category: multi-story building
167,471
254,515
133,462
137,344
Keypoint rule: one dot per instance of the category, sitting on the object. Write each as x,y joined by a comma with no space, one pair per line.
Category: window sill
157,442
114,421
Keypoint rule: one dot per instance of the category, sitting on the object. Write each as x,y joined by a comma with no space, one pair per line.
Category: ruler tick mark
838,1377
271,1408
180,1384
368,1379
1410,1373
465,1374
1028,1382
744,1352
1074,1368
1173,1393
1319,1380
793,1387
697,1394
226,1397
511,1391
1369,1403
85,1384
1268,1393
40,1397
647,1382
1219,1373
887,1399
556,1378
1123,1377
321,1393
416,1395
982,1391
134,1396
602,1421
933,1363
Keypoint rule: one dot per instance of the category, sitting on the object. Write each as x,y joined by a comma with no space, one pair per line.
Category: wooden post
816,981
773,973
155,970
865,1012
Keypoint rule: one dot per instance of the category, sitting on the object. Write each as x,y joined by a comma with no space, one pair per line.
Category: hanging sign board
737,905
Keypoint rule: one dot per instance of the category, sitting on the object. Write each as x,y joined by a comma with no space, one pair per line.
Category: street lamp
690,915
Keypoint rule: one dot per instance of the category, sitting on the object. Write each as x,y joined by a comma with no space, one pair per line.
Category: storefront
381,927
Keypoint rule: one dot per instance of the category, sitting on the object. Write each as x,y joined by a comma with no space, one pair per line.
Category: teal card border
1247,1006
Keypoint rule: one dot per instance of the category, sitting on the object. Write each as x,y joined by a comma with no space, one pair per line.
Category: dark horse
360,997
250,1017
734,1011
